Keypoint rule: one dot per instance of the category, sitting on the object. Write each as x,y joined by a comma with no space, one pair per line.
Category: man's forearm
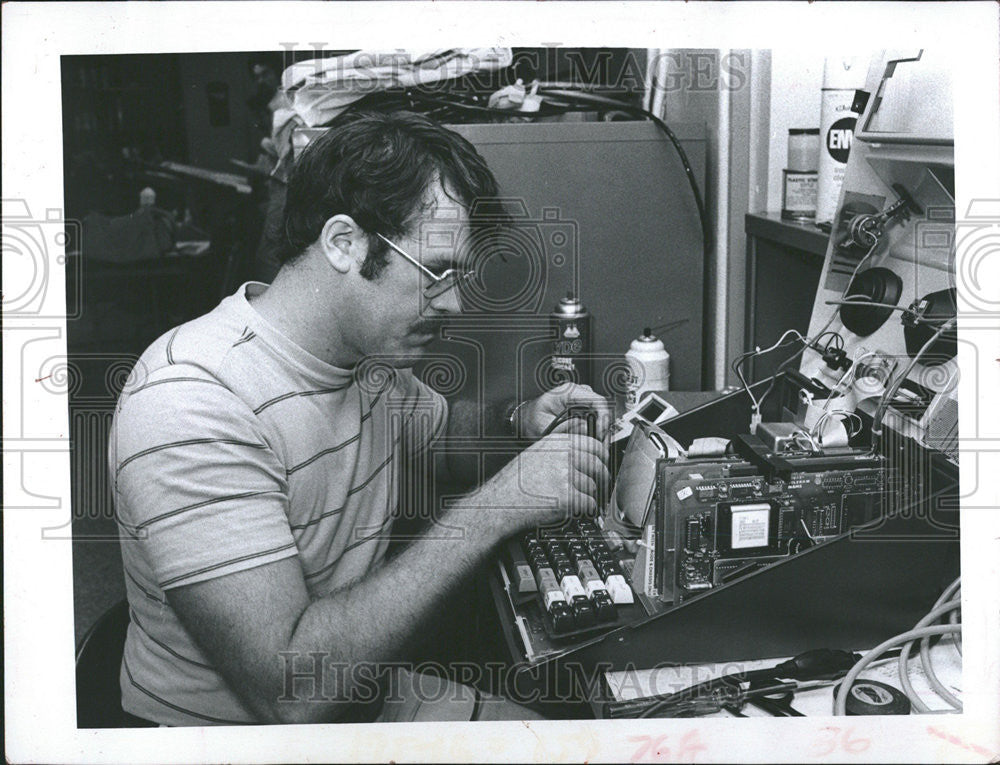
470,422
374,619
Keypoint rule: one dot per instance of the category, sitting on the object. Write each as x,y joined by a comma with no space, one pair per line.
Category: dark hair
377,167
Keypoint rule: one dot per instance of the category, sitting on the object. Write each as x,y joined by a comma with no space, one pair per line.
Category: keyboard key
583,612
618,589
604,606
572,588
562,616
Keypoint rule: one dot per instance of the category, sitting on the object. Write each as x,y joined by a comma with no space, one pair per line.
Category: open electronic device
762,548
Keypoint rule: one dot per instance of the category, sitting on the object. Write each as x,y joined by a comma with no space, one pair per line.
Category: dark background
123,115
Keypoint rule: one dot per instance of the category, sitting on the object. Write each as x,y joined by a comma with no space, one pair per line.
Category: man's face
396,320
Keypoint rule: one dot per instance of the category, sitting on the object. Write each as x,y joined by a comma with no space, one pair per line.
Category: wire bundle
949,603
810,669
736,366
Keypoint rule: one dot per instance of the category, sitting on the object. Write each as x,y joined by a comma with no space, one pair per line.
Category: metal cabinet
784,261
608,214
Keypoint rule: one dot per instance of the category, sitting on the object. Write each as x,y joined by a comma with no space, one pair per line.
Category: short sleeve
427,421
197,486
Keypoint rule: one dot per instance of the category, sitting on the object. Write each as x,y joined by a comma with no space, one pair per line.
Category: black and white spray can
649,368
570,361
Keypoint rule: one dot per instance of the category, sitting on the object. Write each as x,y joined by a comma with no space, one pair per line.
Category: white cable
858,268
817,429
852,372
813,446
758,352
952,594
865,301
808,343
904,656
781,340
853,417
840,702
928,667
956,644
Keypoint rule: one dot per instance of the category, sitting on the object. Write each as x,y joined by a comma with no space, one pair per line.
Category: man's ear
342,243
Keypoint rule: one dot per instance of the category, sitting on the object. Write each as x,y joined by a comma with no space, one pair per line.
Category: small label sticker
696,476
750,526
684,493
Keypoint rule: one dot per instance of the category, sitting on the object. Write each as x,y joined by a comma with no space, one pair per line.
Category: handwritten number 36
831,739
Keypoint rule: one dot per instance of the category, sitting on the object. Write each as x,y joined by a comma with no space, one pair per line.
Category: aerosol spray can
571,349
841,77
649,368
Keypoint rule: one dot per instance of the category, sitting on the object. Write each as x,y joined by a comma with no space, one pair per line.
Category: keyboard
572,572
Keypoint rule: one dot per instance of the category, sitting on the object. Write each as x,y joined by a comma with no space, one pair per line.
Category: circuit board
715,529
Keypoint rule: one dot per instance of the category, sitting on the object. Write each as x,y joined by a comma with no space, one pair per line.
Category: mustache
427,327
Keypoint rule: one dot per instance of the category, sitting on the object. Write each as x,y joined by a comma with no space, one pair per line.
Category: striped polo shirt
232,447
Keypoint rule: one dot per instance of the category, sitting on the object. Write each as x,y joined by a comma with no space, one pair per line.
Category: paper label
800,192
750,526
684,493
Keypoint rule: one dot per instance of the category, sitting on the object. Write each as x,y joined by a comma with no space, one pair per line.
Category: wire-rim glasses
440,283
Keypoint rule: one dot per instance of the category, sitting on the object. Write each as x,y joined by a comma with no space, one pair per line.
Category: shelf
802,236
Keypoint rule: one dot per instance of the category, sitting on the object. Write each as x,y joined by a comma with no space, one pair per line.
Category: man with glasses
256,456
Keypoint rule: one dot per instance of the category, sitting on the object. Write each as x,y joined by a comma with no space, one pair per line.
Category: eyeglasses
440,283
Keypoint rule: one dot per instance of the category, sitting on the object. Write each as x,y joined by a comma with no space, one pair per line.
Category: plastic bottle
649,368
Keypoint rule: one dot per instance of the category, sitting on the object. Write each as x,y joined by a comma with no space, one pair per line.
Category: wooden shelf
802,236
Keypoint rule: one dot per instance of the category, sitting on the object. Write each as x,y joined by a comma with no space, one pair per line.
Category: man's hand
535,416
560,476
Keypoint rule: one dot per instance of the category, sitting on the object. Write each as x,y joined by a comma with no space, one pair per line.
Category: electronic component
836,358
715,526
653,409
866,229
779,436
912,399
923,318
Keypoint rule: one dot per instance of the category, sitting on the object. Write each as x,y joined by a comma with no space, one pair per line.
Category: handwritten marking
43,378
953,739
654,748
838,738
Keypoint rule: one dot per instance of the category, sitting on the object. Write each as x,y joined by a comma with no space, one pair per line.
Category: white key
619,589
571,587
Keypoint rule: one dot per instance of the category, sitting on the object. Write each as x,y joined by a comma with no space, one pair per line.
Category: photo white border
38,598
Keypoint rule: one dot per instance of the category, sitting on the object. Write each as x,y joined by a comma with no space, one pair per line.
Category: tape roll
870,697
